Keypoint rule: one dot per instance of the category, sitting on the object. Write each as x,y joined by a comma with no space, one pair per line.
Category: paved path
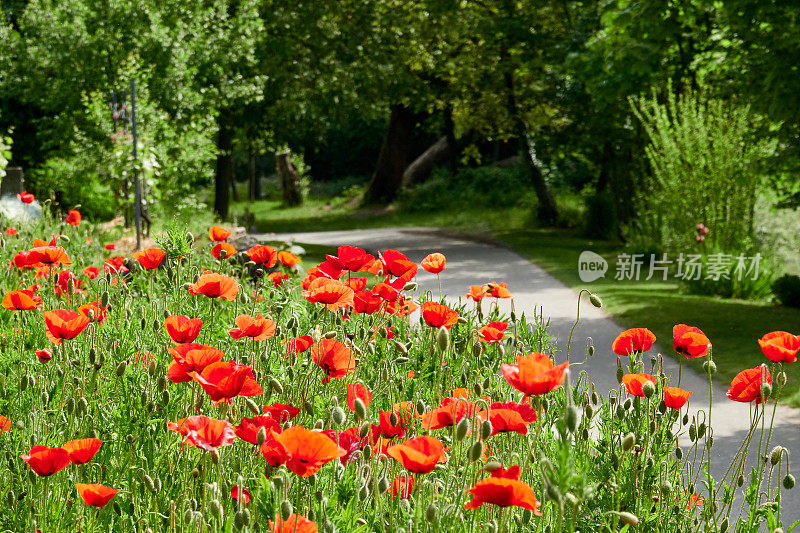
472,262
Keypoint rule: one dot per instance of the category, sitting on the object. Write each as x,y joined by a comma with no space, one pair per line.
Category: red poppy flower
512,472
746,385
215,285
217,251
634,383
64,324
331,293
203,432
257,328
73,217
95,495
300,344
243,495
503,492
22,300
44,355
110,246
385,428
24,259
357,283
780,346
115,265
10,232
48,256
675,398
82,450
511,416
433,263
349,440
217,234
366,302
398,265
334,358
150,258
182,329
633,340
307,451
263,255
438,315
46,461
91,272
476,293
497,290
450,412
689,341
534,374
353,259
418,455
248,428
226,380
98,312
26,197
402,486
277,278
64,279
5,424
357,390
189,358
389,292
281,411
492,332
288,259
294,524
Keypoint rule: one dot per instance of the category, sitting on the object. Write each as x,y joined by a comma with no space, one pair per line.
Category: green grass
732,325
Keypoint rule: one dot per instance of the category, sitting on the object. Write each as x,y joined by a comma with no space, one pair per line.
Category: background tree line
367,87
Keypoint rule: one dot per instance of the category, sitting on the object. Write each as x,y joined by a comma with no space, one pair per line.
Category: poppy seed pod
628,441
443,339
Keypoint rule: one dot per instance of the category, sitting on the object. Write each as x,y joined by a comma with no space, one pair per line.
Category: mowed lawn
733,326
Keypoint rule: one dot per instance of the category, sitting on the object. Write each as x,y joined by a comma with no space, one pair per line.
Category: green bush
731,284
787,290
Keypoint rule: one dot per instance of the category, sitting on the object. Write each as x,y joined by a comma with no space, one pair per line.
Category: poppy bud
775,455
620,372
766,390
276,386
319,424
692,433
628,441
45,397
788,482
649,388
443,339
478,388
710,368
476,349
420,407
151,368
620,412
628,518
214,456
367,451
595,299
588,412
187,516
432,513
410,286
239,520
476,451
383,484
461,429
401,360
148,481
363,431
666,488
400,346
120,370
161,384
701,430
501,350
23,382
216,510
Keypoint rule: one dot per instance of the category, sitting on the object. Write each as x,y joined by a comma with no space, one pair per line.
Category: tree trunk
224,174
453,146
253,179
443,152
548,212
394,156
290,179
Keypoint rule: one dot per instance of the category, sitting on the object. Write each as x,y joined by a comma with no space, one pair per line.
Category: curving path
471,261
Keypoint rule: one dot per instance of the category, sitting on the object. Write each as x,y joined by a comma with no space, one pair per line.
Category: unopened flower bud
649,388
214,456
788,482
261,436
360,409
461,429
120,370
475,451
337,415
775,455
628,518
486,429
595,299
443,339
766,390
432,513
286,509
628,441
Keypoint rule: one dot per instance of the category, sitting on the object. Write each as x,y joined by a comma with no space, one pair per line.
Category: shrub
787,290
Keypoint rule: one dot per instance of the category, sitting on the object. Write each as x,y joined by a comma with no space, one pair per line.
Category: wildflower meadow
194,386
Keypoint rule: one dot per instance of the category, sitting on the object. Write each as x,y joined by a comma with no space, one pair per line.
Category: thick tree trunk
224,174
453,146
394,156
253,179
443,152
290,179
548,212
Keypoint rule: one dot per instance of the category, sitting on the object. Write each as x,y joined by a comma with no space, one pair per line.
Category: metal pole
137,190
